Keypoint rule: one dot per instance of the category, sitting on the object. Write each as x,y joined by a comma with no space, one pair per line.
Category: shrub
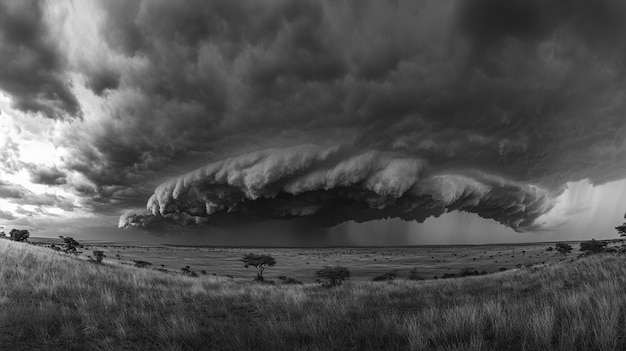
260,262
413,275
142,264
332,276
467,272
563,248
289,280
387,277
593,246
98,255
187,271
550,248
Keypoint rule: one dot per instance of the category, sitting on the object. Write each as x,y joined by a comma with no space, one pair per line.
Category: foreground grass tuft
49,300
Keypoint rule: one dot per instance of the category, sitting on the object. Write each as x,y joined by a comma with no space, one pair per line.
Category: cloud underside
482,106
332,187
331,110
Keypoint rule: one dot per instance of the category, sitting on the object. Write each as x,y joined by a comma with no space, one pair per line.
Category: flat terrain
364,263
54,301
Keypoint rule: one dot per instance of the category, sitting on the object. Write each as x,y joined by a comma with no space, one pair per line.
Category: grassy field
52,301
301,263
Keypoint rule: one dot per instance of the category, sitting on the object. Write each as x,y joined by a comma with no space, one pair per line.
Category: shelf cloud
335,187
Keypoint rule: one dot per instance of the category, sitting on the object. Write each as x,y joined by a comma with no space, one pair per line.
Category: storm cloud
33,71
333,110
323,183
483,106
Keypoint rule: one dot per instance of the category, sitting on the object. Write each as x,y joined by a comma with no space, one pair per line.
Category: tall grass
52,301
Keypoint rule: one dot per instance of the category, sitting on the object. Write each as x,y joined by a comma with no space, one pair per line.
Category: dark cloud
47,175
486,106
517,97
33,69
333,188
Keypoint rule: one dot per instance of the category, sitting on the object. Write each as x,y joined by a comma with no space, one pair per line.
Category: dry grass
51,301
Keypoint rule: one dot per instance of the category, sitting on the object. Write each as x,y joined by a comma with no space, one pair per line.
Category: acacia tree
333,275
260,262
563,248
19,235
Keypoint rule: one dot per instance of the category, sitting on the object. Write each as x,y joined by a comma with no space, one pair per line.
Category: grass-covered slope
52,301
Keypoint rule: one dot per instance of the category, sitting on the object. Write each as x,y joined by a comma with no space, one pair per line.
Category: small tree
19,235
621,229
593,246
98,255
333,276
563,248
260,262
70,245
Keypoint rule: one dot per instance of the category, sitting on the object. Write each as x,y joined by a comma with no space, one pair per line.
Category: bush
387,277
465,272
98,255
142,264
550,248
187,271
332,276
413,275
593,246
563,248
289,280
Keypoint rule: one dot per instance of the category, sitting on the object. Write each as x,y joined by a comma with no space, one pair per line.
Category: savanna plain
493,297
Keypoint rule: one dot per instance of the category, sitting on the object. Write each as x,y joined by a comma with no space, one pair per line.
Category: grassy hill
52,301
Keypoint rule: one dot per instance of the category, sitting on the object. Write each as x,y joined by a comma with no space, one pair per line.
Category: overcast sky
288,122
